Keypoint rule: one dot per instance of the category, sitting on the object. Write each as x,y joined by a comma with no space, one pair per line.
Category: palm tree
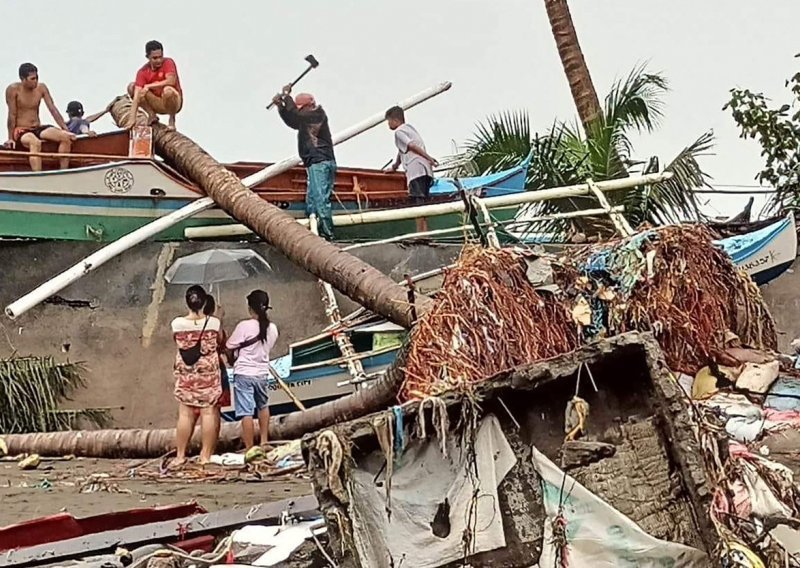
31,390
564,155
569,50
352,277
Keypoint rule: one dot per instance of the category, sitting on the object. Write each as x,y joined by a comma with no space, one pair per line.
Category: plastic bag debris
758,377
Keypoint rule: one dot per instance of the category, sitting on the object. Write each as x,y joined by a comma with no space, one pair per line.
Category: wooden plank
91,545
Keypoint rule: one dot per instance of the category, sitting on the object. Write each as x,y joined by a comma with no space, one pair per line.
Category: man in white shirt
417,163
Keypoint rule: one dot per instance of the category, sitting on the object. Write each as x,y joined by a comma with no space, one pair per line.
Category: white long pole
456,206
469,227
100,257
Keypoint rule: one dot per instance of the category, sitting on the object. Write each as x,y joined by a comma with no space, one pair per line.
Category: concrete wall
783,298
122,329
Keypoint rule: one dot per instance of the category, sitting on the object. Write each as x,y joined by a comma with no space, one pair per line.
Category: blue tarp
507,181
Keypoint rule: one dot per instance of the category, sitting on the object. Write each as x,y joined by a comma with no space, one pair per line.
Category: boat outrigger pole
100,257
450,207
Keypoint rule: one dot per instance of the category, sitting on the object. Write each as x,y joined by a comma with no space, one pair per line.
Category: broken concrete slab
637,426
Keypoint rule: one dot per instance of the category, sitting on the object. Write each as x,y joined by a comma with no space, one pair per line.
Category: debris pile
487,319
493,494
674,282
748,417
493,314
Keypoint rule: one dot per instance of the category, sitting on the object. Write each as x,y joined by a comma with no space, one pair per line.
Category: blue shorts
250,394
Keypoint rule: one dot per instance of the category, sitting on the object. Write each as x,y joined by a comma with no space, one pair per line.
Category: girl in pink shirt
251,343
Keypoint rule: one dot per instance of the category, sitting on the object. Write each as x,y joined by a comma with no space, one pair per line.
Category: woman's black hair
258,301
196,298
211,305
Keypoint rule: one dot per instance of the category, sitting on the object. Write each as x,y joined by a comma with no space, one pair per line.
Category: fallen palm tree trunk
351,276
138,442
143,443
132,443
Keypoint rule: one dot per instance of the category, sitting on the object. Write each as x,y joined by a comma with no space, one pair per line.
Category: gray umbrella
216,265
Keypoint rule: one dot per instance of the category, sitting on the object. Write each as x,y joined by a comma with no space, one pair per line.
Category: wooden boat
316,372
765,253
112,188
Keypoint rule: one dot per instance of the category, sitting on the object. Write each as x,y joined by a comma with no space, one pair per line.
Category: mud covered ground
57,486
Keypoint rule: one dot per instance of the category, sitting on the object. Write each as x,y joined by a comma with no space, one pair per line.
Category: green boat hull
95,228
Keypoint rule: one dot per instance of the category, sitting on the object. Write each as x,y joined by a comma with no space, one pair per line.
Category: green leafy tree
777,131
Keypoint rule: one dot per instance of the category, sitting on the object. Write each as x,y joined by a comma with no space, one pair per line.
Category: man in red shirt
157,88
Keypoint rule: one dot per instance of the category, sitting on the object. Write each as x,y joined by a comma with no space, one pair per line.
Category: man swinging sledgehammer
315,147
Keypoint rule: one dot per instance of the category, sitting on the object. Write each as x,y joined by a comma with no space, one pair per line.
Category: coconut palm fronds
31,390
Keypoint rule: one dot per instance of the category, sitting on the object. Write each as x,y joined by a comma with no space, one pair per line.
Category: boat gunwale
778,229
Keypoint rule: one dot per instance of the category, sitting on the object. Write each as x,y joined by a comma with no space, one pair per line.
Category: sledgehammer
312,64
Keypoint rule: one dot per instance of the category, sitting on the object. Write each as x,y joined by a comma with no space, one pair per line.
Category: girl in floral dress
212,309
197,383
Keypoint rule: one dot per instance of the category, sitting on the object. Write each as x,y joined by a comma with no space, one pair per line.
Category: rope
559,526
578,381
217,555
331,451
559,540
469,416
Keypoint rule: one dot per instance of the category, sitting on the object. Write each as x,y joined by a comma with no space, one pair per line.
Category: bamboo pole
410,236
468,228
491,235
334,315
438,209
286,388
100,257
620,222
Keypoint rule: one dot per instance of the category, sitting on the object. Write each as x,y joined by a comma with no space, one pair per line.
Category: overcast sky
232,56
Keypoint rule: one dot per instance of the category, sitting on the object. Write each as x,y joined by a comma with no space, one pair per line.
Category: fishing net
489,317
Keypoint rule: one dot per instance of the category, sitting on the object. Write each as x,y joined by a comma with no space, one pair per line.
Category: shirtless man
157,88
25,127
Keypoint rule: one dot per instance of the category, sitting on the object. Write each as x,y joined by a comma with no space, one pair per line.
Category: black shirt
314,143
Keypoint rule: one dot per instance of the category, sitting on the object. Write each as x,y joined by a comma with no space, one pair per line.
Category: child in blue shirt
76,123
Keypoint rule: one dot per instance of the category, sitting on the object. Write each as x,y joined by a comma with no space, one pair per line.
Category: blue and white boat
766,253
316,372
